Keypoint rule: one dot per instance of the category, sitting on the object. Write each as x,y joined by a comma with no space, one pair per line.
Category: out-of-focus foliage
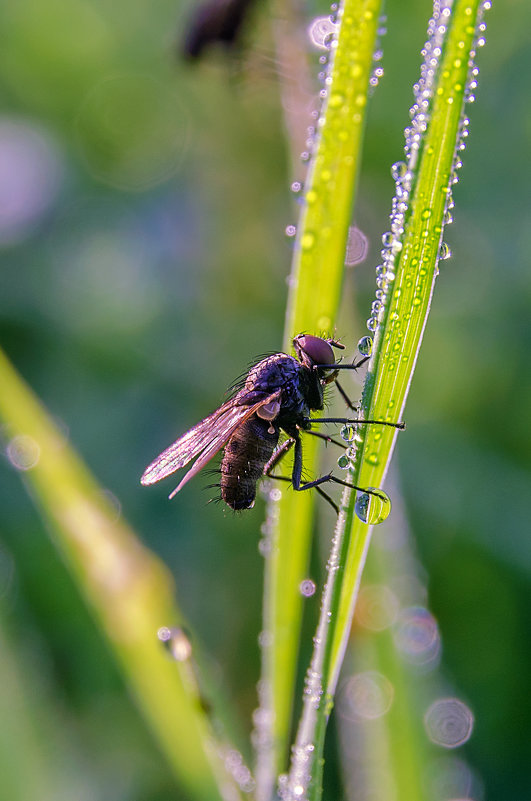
142,210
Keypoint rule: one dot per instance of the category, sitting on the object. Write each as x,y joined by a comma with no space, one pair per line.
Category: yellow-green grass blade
315,289
129,590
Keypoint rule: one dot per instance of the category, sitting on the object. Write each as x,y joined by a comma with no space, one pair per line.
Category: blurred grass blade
405,280
129,590
315,289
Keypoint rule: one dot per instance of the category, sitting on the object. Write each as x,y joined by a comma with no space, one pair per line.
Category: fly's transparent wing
203,440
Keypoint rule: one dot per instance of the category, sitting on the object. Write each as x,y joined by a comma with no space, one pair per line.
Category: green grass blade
315,290
433,161
128,589
406,281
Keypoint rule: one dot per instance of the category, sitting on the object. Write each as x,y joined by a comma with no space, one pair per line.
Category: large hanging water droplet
348,432
365,346
444,251
373,508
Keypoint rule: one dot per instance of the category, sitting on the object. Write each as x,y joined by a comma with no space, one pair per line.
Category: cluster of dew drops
322,34
403,172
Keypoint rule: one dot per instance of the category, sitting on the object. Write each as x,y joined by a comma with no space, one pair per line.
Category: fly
215,22
278,394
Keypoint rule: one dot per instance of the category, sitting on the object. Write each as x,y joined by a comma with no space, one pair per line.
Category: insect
215,22
278,394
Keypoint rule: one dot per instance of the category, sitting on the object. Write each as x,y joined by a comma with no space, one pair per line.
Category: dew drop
348,432
373,509
368,695
23,452
343,462
398,170
357,247
307,240
449,722
336,100
417,637
365,346
444,251
307,588
176,641
321,31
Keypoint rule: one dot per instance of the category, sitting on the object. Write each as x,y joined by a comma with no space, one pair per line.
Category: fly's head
316,353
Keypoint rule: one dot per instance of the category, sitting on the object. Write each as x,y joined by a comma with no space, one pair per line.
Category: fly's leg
345,397
326,438
277,456
333,378
336,367
296,476
321,492
401,426
282,451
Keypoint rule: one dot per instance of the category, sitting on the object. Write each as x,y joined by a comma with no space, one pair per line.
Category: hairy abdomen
245,456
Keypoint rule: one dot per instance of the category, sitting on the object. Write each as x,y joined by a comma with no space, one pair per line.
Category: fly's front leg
401,426
325,437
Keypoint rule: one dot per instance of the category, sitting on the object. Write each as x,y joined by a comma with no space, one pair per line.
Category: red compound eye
313,350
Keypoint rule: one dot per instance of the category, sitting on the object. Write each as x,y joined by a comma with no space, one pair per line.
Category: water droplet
398,170
321,32
357,247
348,432
444,251
23,452
307,588
417,637
296,187
343,462
449,722
336,100
307,240
372,509
239,771
368,695
176,641
290,230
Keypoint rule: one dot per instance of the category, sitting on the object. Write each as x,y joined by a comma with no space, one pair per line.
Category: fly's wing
203,440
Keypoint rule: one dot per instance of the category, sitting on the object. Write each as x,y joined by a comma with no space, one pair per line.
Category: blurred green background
143,204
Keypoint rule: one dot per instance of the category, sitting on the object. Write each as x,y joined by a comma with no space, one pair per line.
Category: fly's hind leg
282,451
296,476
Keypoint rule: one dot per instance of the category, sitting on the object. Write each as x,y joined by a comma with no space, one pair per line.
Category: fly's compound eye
313,350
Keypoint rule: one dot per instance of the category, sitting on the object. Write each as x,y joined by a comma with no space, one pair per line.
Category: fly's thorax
271,374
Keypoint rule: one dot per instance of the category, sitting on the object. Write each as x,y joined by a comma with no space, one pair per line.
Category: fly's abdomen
246,454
